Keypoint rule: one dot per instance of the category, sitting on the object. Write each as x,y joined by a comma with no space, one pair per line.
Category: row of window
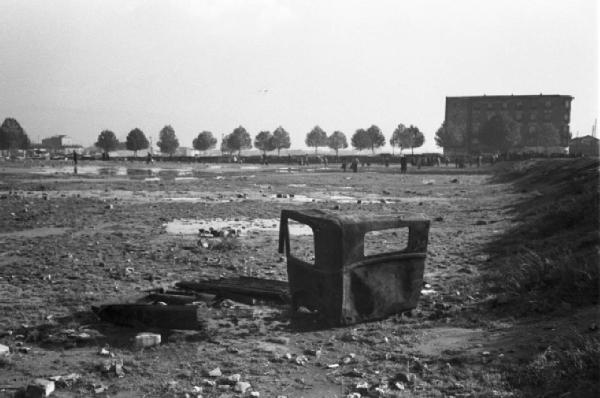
547,115
519,104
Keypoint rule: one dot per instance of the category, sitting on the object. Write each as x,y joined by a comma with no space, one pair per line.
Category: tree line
502,133
12,136
239,139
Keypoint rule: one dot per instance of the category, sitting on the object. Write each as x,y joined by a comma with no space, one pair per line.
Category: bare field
112,231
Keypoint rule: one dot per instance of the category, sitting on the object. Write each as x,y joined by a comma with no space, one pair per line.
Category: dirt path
69,243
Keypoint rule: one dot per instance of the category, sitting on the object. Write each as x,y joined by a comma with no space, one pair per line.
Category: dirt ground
106,235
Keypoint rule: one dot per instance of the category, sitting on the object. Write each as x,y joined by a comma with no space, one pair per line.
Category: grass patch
570,371
553,250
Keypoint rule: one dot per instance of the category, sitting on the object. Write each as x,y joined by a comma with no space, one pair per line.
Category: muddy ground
106,235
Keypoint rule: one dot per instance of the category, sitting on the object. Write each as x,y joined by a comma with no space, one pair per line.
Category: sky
79,67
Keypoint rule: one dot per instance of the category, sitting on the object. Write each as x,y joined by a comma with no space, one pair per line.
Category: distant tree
411,137
12,135
264,141
499,133
374,137
316,138
281,139
446,137
336,141
238,139
545,135
396,138
107,141
167,140
204,141
136,140
225,146
360,140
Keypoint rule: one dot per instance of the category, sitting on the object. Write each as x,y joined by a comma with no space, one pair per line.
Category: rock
363,385
109,207
241,386
593,326
480,222
399,386
353,395
404,377
333,365
216,372
454,180
314,353
255,394
114,366
230,380
99,388
24,350
39,388
279,340
4,350
65,381
104,352
439,219
144,340
301,360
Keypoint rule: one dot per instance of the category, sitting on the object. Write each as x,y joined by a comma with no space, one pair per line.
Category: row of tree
371,138
502,133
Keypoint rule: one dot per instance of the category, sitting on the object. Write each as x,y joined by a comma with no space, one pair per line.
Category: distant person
403,164
325,161
149,158
74,162
479,161
354,165
344,164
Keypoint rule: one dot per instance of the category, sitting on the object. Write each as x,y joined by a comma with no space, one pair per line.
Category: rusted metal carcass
343,284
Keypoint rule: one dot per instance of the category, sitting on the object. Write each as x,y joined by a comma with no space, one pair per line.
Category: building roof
513,96
585,137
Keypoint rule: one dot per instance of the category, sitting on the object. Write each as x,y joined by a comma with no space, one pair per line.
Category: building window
504,105
548,104
566,103
490,105
547,115
519,115
519,105
532,116
532,129
566,116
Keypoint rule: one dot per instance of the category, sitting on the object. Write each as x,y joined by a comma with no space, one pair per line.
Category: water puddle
186,226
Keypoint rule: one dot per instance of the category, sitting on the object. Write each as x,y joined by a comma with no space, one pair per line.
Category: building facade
57,142
542,121
584,146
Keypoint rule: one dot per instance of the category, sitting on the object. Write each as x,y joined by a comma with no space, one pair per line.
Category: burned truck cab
343,284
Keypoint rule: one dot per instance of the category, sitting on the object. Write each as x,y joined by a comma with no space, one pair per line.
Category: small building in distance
534,116
57,142
584,146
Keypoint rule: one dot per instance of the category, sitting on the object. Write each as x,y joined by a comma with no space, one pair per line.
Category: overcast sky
78,67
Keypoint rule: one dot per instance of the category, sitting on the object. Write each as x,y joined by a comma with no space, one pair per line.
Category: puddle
186,226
